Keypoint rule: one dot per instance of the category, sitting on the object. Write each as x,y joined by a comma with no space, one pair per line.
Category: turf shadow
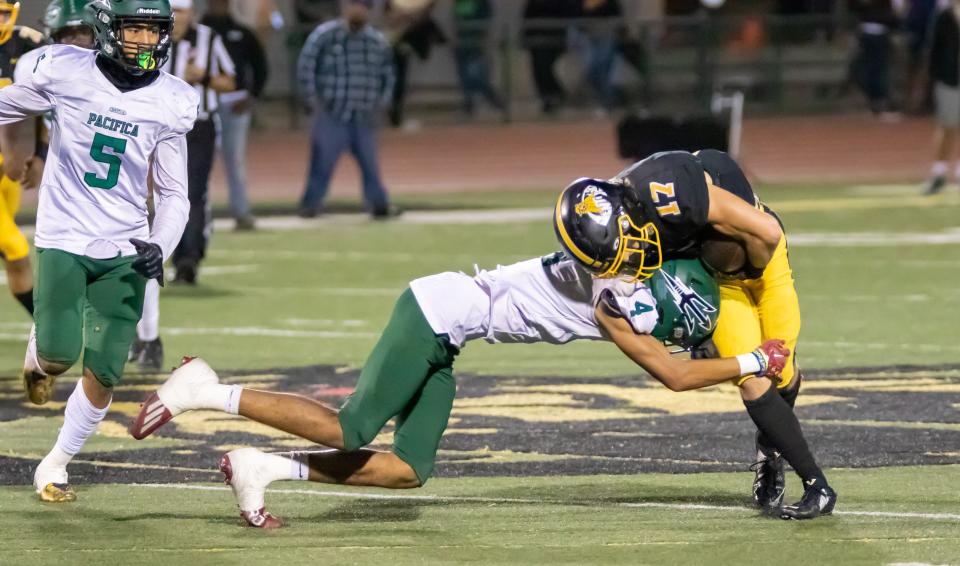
374,512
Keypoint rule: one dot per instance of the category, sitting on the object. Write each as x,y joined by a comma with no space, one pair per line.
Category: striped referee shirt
203,47
348,74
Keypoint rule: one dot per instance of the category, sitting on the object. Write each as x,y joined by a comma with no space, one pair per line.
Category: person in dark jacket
472,19
547,43
235,107
870,68
944,71
411,30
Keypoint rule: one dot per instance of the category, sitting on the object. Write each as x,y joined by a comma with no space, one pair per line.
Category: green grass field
876,271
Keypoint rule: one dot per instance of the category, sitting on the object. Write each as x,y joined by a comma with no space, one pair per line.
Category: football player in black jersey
666,207
14,41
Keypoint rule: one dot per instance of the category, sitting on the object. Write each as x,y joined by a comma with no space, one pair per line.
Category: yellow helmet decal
587,206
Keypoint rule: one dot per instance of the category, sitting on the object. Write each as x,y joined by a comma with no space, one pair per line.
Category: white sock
219,397
286,466
30,360
148,329
80,420
939,169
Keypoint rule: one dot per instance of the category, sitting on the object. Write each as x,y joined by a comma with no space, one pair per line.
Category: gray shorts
947,99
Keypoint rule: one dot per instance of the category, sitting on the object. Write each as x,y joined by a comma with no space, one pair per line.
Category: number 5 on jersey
664,198
101,142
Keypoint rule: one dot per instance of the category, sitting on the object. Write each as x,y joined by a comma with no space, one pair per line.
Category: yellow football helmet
10,10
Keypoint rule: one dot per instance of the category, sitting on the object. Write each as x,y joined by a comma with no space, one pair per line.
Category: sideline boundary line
522,501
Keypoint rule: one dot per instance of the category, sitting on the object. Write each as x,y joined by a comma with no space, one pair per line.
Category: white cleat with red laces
242,472
180,393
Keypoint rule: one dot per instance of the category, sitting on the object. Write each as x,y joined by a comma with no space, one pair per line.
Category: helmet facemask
144,57
638,254
11,10
135,57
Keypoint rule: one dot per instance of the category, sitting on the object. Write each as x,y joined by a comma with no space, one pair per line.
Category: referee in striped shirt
345,73
199,57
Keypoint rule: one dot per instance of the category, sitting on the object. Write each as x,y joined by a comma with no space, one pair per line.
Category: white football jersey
102,143
547,299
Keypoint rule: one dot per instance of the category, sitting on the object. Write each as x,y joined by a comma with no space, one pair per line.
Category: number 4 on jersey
640,308
100,142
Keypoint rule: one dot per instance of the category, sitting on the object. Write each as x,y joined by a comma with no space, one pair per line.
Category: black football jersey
669,189
23,39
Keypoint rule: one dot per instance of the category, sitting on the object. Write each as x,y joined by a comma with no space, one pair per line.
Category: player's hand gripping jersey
102,142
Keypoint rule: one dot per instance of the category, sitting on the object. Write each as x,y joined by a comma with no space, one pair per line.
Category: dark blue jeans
871,69
474,74
328,138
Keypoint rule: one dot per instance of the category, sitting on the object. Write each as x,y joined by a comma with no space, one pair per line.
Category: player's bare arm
677,374
758,231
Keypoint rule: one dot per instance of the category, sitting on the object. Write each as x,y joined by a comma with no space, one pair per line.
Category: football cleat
769,483
816,501
51,484
242,473
934,185
176,395
38,385
152,356
136,350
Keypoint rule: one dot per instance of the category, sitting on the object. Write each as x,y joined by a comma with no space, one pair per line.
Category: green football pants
409,375
89,304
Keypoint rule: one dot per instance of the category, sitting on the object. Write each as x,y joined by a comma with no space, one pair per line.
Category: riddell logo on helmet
594,202
151,11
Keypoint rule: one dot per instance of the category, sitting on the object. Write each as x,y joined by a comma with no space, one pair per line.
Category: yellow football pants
755,310
13,244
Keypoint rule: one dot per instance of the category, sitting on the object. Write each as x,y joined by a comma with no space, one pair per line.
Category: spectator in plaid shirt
346,75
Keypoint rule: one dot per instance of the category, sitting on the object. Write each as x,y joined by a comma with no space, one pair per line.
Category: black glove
149,262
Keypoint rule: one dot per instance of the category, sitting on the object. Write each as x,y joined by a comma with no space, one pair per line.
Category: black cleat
136,350
816,501
152,356
769,483
934,185
186,274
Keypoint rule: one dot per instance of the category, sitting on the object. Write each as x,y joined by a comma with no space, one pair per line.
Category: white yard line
521,501
232,331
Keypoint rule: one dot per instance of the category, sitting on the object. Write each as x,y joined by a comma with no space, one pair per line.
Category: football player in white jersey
115,118
409,374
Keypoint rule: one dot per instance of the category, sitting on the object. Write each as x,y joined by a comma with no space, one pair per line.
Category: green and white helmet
688,303
62,14
108,17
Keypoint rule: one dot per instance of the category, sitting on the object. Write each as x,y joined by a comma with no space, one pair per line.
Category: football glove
773,355
149,262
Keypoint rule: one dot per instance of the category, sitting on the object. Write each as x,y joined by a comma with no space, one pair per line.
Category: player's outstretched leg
195,385
249,471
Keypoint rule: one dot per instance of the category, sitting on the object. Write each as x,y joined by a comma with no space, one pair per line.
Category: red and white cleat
178,394
241,471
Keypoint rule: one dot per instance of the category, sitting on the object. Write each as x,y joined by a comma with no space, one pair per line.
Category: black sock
789,395
26,299
775,419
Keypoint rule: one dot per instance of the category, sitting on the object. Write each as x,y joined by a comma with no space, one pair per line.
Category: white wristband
750,364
